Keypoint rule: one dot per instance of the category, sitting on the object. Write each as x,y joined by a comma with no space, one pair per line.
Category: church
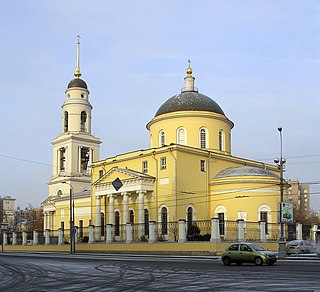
188,172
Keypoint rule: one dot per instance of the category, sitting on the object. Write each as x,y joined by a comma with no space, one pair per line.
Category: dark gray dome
189,101
245,171
77,82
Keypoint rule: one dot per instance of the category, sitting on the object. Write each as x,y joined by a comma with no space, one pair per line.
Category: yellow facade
187,173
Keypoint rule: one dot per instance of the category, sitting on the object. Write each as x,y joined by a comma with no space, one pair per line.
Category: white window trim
206,136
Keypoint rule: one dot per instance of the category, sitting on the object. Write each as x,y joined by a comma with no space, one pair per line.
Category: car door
246,253
233,252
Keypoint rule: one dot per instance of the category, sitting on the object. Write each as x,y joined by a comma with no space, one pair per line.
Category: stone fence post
299,231
262,231
240,223
5,238
35,238
14,238
91,234
129,229
109,237
215,230
60,236
47,237
152,231
314,232
24,238
182,231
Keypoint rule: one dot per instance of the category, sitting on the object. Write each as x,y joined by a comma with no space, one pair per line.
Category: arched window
221,212
181,136
203,138
189,220
221,141
83,122
162,138
66,121
117,224
102,224
264,214
131,215
146,222
59,193
164,221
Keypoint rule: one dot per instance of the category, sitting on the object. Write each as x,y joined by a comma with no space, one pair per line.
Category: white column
125,208
35,237
262,231
299,231
141,213
182,230
240,229
98,220
215,231
111,209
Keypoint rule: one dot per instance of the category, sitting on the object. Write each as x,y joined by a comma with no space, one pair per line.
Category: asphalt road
91,272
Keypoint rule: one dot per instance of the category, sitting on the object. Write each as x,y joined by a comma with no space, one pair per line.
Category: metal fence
169,231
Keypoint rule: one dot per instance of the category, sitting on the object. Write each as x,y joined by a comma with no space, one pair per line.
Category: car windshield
257,247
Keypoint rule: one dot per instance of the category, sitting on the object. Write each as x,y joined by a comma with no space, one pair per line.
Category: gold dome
189,71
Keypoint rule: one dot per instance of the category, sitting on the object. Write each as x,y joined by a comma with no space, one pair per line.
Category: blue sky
259,60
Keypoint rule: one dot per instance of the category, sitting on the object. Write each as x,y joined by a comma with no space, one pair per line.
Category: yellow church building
188,173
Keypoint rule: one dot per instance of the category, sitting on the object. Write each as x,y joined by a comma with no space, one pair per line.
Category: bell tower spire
77,72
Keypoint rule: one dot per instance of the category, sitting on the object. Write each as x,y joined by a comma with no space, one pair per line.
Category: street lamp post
282,241
72,239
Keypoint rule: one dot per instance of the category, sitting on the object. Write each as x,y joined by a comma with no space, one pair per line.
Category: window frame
163,163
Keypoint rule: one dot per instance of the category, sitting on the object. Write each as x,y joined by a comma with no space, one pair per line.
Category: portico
132,199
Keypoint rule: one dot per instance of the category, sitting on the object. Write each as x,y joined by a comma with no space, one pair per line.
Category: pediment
131,179
123,174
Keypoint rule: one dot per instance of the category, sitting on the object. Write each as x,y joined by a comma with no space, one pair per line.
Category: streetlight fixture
280,162
72,239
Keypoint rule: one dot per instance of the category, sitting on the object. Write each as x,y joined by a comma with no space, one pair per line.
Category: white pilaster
240,229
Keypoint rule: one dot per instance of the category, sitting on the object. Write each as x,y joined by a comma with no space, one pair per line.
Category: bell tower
75,148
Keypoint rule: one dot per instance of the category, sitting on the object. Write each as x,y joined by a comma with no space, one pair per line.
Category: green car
246,252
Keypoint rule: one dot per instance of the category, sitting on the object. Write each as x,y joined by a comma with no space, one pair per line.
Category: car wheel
258,261
226,261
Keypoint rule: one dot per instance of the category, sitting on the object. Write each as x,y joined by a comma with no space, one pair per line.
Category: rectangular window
202,165
144,166
100,173
264,218
163,163
62,159
62,225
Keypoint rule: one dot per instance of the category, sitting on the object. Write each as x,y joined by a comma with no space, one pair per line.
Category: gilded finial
77,72
189,70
